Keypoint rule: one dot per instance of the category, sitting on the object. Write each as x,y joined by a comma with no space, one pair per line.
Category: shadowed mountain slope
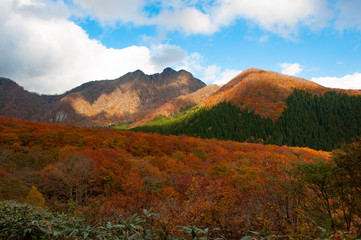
18,103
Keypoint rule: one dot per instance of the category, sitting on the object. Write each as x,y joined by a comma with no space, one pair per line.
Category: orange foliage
188,181
264,92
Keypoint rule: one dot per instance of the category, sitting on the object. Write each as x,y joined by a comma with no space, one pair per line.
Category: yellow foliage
35,197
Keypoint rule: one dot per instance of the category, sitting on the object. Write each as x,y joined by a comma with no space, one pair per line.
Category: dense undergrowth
230,186
25,221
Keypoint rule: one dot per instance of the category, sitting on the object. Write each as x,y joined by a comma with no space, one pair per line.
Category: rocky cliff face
100,103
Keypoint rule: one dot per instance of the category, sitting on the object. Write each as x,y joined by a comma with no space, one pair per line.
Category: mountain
273,108
178,104
265,92
255,106
98,103
18,103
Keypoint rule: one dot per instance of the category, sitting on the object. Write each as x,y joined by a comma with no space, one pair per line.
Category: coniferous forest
317,121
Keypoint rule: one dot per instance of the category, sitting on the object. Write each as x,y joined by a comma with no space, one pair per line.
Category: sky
51,46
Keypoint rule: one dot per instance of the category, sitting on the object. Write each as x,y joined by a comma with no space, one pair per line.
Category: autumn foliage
188,181
265,92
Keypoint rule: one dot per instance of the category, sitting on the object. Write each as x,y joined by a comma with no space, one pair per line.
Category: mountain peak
138,72
7,81
264,92
168,70
237,79
102,102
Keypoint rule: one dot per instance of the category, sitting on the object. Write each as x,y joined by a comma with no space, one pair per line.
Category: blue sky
50,46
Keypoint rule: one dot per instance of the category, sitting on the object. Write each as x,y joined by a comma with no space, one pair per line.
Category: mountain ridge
102,102
265,92
138,98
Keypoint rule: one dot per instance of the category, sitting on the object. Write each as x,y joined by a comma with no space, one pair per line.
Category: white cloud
164,55
45,52
193,63
282,17
189,20
210,74
291,68
227,75
352,81
111,11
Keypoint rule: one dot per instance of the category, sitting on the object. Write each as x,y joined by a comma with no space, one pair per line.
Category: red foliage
187,180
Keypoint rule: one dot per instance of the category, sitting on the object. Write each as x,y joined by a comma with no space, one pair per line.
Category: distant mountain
99,103
18,103
273,108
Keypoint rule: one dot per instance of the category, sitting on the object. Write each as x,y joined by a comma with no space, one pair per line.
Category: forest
323,122
110,184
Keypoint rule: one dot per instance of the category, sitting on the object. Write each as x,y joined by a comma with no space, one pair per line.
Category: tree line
316,121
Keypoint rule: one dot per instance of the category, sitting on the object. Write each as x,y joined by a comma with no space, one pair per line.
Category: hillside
188,181
19,103
178,104
261,106
265,92
98,103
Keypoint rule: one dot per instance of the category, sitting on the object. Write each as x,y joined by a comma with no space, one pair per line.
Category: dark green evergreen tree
319,122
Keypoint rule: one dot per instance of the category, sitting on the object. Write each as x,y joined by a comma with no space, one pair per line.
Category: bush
25,221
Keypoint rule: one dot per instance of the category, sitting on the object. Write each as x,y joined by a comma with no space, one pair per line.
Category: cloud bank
352,81
45,51
281,17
